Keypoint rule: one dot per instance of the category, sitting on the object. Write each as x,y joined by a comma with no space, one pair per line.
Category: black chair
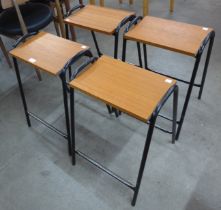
35,16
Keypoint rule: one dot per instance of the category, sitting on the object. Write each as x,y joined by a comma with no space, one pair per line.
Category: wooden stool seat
175,36
47,52
128,88
99,19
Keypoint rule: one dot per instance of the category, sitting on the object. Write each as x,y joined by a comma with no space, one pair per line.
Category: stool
130,89
50,54
183,38
99,19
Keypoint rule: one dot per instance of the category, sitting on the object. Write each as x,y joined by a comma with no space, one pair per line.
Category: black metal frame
209,39
63,78
173,90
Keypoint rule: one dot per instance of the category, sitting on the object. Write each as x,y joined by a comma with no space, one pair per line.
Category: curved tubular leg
189,91
21,91
206,66
65,98
144,158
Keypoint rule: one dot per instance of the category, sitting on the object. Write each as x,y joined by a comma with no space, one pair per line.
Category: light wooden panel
130,89
101,19
47,52
175,36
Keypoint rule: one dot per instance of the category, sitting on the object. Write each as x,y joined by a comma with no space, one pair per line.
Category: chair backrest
10,3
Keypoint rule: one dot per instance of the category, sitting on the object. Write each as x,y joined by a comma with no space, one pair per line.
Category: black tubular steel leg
124,50
145,56
66,31
116,39
69,72
65,98
144,158
21,91
139,55
175,105
96,44
206,66
124,55
109,109
72,125
189,91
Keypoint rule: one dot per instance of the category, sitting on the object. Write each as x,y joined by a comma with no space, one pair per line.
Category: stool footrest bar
161,129
104,169
167,118
178,79
47,125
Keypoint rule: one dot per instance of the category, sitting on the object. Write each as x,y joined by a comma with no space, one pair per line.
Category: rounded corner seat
99,19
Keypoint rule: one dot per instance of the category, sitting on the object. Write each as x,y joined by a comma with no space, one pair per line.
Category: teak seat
183,38
132,90
47,52
126,87
52,55
99,19
168,34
